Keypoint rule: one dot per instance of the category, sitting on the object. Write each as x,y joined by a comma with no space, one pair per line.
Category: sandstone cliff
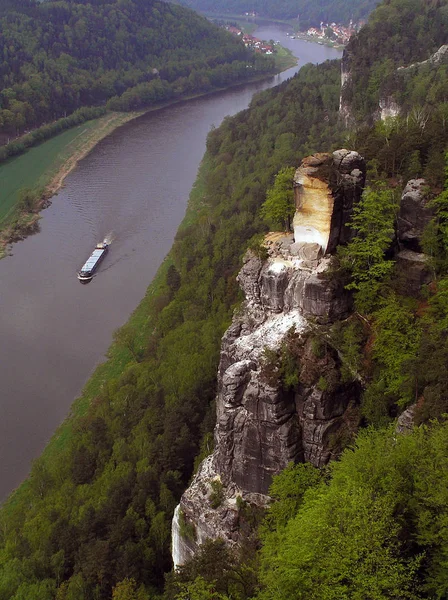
262,423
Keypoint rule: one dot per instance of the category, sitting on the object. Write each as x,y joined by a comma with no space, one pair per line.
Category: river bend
54,330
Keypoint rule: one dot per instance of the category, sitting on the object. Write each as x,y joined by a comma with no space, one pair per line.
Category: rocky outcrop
414,214
406,421
326,188
438,58
388,106
263,422
345,112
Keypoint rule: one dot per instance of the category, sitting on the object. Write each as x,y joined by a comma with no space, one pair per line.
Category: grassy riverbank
42,170
28,181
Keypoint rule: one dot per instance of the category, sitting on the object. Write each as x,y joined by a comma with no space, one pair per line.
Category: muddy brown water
54,330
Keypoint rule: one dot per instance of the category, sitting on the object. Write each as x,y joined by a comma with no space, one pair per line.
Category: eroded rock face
406,421
388,108
414,214
413,270
438,58
345,111
261,424
326,188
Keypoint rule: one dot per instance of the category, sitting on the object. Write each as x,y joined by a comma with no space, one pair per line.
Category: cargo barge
88,269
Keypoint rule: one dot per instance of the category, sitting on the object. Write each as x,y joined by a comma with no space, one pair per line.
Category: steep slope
306,13
394,99
263,424
100,511
58,56
375,66
98,508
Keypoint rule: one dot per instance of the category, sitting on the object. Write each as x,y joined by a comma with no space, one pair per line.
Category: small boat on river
92,263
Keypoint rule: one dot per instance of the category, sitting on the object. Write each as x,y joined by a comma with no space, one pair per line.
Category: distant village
327,32
332,32
251,42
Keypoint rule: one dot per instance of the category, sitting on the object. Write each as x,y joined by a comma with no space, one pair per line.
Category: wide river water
136,183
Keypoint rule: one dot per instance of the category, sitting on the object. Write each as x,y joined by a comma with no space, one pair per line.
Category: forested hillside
100,510
372,524
56,57
398,35
306,13
93,521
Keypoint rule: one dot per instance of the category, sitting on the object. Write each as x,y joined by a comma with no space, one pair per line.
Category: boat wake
109,238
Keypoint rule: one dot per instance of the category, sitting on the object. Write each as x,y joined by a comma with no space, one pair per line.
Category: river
136,183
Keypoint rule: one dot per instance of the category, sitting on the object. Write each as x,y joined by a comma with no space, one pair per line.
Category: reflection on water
134,188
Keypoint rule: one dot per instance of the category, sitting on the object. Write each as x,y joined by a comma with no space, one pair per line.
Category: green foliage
257,246
405,32
396,340
304,12
220,571
187,530
217,494
58,57
435,240
349,338
97,514
127,590
207,447
373,222
282,367
29,199
430,365
396,337
318,347
279,207
374,531
100,509
173,279
288,491
45,132
199,589
322,384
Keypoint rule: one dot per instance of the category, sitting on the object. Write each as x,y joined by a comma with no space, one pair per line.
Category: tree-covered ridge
373,525
58,56
309,13
376,529
370,526
100,511
397,34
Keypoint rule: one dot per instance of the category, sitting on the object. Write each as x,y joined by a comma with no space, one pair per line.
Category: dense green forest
93,522
373,524
58,56
370,526
397,35
101,510
305,13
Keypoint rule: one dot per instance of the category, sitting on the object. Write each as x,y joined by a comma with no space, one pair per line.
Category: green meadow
35,168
